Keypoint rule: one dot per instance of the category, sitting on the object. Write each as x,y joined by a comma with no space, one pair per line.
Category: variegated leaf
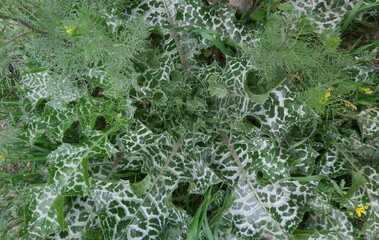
69,169
333,163
167,162
68,177
215,17
302,159
53,123
368,194
81,219
43,85
369,123
277,112
334,225
325,14
124,215
271,211
45,211
366,150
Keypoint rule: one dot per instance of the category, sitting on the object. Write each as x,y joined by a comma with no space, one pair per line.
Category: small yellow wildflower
349,104
361,210
2,156
366,90
326,96
71,30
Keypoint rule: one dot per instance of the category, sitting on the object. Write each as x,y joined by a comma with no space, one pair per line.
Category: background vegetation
189,119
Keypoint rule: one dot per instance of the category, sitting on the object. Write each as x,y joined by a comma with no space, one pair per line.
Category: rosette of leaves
175,118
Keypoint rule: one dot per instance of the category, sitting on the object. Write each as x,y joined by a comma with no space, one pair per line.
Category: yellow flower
2,156
326,96
361,210
71,30
366,90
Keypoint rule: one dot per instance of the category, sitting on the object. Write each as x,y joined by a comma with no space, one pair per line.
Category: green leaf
333,163
123,214
220,18
68,177
117,207
198,219
81,218
332,225
369,124
285,7
258,15
277,112
302,159
350,17
59,207
268,205
321,201
86,113
141,188
281,112
236,103
69,169
44,216
221,160
367,194
326,14
214,38
143,142
208,125
53,123
167,162
269,159
44,85
273,211
214,88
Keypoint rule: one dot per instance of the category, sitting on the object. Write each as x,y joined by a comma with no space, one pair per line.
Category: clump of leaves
175,120
290,49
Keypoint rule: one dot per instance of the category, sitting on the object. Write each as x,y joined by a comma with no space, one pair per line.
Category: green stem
24,23
15,38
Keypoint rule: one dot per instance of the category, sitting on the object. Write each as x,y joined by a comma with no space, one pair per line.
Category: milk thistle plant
188,119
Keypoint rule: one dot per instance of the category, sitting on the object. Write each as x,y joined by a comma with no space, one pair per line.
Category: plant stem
24,23
174,34
15,38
